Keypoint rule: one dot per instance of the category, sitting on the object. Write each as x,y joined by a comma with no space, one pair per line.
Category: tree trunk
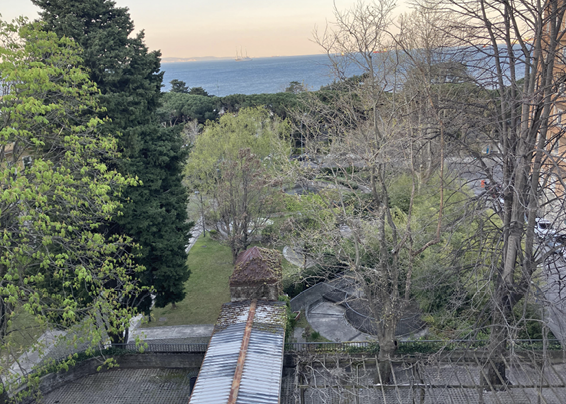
387,347
494,371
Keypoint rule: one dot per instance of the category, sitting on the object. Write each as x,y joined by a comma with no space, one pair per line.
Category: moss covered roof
257,265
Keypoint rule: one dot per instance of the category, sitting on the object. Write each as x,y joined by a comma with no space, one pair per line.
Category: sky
199,28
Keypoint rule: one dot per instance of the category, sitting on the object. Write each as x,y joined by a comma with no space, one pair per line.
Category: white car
543,228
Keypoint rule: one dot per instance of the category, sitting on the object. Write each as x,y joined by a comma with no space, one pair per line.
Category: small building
257,275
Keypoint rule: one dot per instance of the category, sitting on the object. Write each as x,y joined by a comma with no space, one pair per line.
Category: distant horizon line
174,59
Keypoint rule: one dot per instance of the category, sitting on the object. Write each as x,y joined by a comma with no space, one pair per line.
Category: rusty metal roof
263,360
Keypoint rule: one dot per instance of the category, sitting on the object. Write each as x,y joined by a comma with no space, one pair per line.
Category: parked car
543,228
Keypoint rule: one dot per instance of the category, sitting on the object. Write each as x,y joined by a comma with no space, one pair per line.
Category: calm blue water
262,75
271,75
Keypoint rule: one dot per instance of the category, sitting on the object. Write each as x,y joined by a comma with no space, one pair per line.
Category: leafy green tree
129,80
243,200
57,264
240,177
251,128
178,86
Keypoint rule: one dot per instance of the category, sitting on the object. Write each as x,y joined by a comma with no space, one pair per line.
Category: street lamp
197,193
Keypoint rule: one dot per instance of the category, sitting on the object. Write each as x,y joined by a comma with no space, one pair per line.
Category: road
555,295
470,171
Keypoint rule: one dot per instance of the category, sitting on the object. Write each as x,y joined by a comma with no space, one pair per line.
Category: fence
162,348
420,346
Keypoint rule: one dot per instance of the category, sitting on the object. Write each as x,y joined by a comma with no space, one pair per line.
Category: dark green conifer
130,81
179,86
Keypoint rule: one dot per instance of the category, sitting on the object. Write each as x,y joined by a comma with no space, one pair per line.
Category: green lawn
207,288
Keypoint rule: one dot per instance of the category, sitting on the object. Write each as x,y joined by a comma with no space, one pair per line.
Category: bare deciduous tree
362,137
243,200
512,49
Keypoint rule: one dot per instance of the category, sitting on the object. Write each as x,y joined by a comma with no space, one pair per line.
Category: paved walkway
196,231
296,258
329,319
554,296
174,333
45,344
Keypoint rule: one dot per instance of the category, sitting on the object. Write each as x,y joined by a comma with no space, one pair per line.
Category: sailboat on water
240,56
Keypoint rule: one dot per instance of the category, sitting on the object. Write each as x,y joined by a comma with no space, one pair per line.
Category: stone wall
307,297
260,292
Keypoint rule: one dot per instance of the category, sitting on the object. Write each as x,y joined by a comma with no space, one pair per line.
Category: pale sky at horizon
195,28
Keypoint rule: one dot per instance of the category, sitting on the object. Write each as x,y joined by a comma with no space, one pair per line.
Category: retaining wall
307,297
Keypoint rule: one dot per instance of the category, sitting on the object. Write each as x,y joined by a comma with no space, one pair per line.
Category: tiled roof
257,265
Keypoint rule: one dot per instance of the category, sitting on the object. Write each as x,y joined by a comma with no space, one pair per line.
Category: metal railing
326,346
420,346
162,348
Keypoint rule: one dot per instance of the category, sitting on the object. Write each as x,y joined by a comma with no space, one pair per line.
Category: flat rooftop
126,386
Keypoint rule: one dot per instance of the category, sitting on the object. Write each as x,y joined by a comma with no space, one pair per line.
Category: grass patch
207,288
302,321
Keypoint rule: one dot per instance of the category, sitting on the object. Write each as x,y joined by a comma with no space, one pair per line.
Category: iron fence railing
420,346
162,348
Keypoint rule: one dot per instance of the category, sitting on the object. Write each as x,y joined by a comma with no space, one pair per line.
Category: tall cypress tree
129,80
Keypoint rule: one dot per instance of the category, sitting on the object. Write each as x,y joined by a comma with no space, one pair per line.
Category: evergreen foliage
57,265
179,86
179,108
199,91
129,80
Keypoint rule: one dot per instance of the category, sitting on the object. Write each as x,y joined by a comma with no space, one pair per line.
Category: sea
259,75
223,77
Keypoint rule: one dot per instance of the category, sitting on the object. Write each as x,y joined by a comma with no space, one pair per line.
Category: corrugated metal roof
261,377
261,380
217,369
